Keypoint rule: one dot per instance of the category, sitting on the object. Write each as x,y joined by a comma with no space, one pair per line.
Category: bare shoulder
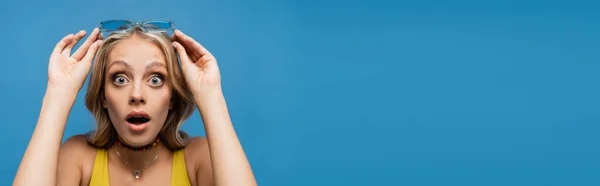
77,141
196,150
76,150
77,146
196,144
76,159
197,155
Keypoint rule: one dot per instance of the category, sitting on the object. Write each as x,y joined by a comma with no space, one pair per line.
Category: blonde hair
105,134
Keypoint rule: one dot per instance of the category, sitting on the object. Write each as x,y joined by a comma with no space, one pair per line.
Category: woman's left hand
199,66
226,157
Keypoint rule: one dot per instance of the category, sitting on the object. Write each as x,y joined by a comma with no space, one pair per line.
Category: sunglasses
120,26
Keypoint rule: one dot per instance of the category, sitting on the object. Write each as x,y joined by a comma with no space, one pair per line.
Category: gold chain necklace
136,173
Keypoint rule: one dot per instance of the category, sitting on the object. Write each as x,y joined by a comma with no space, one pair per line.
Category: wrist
56,105
63,87
57,94
207,95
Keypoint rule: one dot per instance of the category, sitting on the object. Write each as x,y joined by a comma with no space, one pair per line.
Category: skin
213,160
136,68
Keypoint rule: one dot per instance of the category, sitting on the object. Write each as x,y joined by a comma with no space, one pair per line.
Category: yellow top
179,174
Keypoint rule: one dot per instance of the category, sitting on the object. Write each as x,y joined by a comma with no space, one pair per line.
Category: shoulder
77,150
76,159
197,150
197,156
77,144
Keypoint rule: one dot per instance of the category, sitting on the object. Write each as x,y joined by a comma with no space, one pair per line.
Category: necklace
136,173
142,148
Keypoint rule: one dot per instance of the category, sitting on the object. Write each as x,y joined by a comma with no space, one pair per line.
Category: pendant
137,174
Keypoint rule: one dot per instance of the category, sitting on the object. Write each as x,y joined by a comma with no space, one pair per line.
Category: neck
137,158
140,148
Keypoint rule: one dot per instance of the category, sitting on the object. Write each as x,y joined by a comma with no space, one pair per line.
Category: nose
136,96
136,100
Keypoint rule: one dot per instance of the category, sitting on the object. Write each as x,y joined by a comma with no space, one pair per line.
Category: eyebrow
121,63
148,67
154,64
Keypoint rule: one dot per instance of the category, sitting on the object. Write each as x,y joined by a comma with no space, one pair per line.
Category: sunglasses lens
148,26
158,25
115,25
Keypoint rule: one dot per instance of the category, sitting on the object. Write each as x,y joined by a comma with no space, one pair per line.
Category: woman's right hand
67,72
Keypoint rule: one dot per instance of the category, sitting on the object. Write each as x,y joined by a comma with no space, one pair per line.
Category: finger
86,45
178,36
62,44
89,55
205,59
78,36
192,44
185,60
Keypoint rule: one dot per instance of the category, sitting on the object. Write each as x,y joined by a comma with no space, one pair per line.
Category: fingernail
174,46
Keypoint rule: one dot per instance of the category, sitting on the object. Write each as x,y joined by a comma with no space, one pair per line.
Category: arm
39,164
229,163
66,75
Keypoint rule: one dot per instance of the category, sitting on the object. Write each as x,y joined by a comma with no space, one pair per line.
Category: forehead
136,50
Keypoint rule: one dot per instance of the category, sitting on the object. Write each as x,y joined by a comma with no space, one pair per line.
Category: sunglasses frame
141,25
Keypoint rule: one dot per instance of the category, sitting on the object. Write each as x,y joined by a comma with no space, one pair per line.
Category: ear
103,99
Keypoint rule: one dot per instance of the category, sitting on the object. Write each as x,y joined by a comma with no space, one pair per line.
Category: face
136,91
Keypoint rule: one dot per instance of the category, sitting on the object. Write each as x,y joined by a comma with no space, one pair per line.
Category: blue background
360,93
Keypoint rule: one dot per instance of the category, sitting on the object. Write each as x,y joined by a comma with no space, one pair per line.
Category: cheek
116,108
158,103
116,103
160,98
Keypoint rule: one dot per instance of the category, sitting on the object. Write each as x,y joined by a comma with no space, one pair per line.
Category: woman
139,95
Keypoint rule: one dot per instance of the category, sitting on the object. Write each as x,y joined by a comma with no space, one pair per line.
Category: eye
156,80
120,79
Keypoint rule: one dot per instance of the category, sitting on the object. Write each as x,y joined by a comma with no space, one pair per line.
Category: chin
137,137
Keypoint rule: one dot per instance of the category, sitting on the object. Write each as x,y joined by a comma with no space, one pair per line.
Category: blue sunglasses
120,25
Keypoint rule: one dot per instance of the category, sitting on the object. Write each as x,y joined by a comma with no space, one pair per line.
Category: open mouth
137,118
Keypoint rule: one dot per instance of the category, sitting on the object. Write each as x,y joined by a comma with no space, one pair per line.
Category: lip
137,114
137,128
